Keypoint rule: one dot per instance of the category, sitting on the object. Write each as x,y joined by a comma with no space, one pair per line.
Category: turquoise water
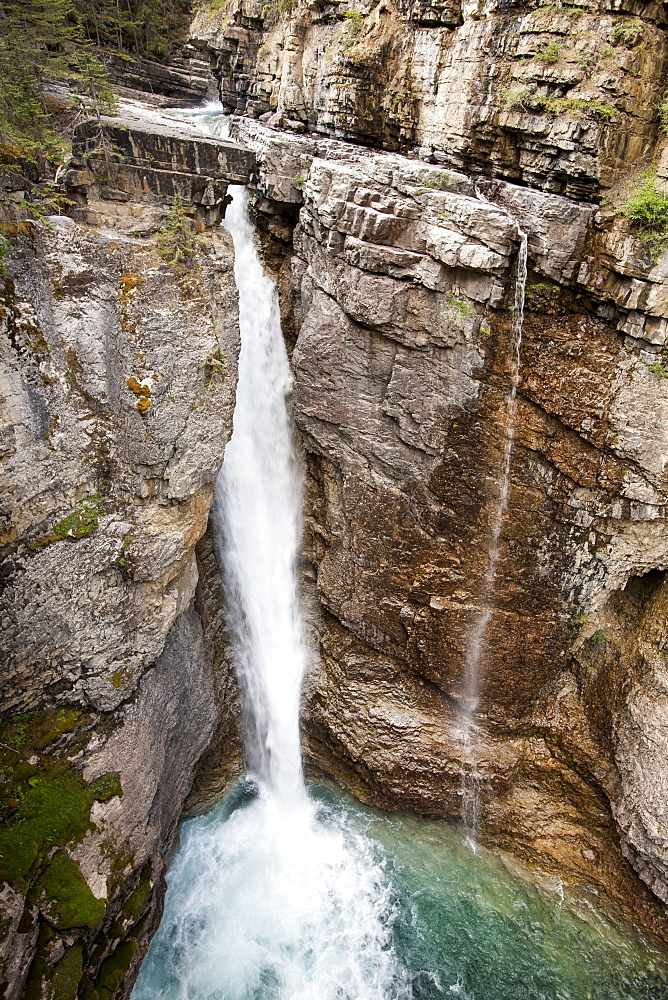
362,904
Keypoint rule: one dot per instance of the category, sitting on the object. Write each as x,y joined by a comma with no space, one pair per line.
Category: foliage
73,904
355,20
647,208
143,27
661,367
44,801
441,181
662,108
550,54
44,40
598,638
629,33
5,247
458,309
176,241
215,366
542,297
575,106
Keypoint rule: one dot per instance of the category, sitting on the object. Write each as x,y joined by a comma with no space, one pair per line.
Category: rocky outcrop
403,284
124,170
558,97
118,381
183,76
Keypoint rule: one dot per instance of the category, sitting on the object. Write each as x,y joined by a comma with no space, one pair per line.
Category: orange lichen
134,385
143,403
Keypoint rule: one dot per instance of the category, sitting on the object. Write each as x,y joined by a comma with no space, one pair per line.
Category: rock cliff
398,283
117,386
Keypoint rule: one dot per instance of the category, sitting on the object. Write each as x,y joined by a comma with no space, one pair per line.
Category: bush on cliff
647,208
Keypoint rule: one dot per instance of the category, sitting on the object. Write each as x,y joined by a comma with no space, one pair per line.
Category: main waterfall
286,899
257,516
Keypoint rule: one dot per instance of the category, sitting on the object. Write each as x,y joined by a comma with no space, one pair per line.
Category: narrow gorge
437,550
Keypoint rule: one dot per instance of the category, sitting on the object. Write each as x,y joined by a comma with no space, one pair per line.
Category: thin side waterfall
273,896
467,728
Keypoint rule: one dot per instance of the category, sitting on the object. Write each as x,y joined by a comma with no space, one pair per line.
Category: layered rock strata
552,96
124,170
403,284
118,382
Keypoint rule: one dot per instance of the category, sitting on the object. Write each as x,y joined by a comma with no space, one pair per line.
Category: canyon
392,151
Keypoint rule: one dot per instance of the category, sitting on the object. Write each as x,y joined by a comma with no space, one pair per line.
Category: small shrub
515,97
662,108
629,33
647,208
598,638
176,242
355,20
215,367
550,54
442,181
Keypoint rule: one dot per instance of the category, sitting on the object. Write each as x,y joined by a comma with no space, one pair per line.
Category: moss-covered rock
68,900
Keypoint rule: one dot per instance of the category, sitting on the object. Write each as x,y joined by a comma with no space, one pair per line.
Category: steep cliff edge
398,284
118,382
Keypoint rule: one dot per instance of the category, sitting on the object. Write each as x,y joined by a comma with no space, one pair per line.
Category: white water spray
467,729
258,514
282,899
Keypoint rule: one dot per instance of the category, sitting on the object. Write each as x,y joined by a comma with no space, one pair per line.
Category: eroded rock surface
403,284
118,382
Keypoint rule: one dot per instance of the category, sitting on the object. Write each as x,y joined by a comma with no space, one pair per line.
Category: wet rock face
554,97
404,283
114,423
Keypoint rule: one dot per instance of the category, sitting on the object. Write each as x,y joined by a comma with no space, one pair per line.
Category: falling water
283,898
467,732
258,511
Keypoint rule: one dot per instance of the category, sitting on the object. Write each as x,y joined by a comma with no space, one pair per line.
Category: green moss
37,730
81,523
67,974
55,812
459,307
133,909
106,786
113,969
44,801
63,978
70,902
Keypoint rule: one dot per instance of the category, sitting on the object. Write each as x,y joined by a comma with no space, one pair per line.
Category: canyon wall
398,283
117,385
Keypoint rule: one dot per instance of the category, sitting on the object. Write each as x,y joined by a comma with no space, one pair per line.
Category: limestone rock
114,422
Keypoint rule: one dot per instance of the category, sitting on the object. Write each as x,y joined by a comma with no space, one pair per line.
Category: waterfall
257,514
467,729
278,897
